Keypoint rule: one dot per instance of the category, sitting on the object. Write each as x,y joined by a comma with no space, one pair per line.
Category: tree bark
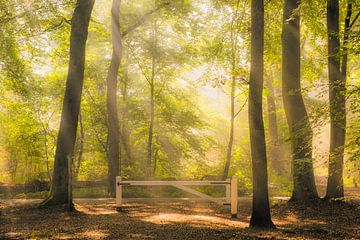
125,131
296,114
111,100
337,93
231,136
81,150
45,129
71,104
260,217
152,102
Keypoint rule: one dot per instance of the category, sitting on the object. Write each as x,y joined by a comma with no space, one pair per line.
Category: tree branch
242,108
143,19
354,20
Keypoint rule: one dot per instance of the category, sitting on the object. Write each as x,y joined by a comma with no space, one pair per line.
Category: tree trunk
45,129
337,92
71,104
231,137
152,102
273,129
345,42
125,134
156,155
111,103
296,115
260,217
125,131
234,42
81,150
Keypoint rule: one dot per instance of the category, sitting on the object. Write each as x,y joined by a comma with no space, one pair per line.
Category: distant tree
260,216
114,131
71,105
111,102
337,95
273,128
296,114
124,125
152,97
234,34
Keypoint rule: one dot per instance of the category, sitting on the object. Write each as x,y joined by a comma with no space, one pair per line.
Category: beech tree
337,104
337,69
111,102
58,194
151,81
260,216
114,133
296,114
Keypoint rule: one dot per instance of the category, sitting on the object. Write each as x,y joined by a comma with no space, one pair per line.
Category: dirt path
98,219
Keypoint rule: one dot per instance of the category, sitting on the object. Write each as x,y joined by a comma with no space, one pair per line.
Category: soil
99,219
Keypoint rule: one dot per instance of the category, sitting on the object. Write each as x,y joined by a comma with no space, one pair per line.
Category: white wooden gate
230,184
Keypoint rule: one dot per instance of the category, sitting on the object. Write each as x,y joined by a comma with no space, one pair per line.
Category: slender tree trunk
231,137
125,131
232,93
273,128
152,102
260,217
81,150
125,134
151,126
296,114
337,92
111,101
71,104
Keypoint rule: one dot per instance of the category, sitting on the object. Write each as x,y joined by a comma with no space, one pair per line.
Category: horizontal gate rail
165,183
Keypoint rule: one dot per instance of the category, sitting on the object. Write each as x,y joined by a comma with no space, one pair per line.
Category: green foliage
200,46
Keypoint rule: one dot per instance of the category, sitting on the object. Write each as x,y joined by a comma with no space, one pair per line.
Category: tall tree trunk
337,92
111,102
296,114
273,128
152,101
71,104
260,217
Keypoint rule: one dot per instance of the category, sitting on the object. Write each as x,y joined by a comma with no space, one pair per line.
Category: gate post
118,191
233,196
227,191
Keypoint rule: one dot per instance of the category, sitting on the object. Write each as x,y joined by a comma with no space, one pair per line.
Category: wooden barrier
231,197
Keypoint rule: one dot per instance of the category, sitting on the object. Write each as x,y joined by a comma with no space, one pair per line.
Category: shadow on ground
180,220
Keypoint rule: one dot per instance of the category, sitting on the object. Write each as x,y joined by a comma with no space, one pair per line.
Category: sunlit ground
98,219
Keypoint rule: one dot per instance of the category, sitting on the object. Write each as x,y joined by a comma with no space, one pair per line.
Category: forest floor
98,219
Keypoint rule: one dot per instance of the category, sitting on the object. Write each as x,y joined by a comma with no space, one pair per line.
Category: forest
125,119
